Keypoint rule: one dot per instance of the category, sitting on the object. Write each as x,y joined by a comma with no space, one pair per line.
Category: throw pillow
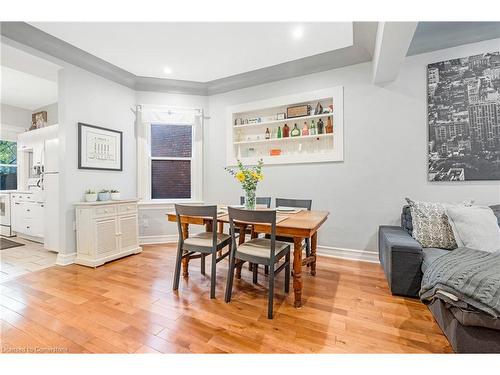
475,227
431,227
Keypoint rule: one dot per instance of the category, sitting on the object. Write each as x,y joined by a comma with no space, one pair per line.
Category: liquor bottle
329,125
268,134
320,126
279,132
312,128
295,131
305,129
286,131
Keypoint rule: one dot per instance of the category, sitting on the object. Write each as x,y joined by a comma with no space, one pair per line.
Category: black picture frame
80,139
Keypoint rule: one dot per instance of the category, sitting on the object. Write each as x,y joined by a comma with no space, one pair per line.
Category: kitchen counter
100,203
17,191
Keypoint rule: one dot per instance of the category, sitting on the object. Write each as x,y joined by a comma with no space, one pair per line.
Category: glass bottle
279,132
295,131
329,125
312,128
268,134
305,129
286,131
320,126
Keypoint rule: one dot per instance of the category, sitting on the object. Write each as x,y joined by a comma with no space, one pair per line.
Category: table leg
241,239
185,261
297,270
314,245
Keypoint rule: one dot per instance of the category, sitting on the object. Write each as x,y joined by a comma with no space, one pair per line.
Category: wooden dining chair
205,243
267,252
297,203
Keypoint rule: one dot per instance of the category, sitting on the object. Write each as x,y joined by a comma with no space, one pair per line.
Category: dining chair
264,201
267,252
297,203
205,243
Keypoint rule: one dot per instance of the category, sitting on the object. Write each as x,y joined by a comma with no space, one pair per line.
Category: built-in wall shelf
247,125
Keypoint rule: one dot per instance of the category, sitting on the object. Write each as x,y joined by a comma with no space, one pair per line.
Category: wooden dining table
299,225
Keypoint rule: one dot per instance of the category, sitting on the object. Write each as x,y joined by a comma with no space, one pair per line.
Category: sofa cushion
431,227
430,254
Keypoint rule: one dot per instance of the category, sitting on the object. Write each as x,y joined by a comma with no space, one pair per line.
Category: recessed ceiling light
298,32
167,70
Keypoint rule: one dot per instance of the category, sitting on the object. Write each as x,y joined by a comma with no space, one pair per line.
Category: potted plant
90,195
104,195
249,177
115,195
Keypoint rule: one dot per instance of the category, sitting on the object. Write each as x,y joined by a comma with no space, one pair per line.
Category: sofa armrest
401,259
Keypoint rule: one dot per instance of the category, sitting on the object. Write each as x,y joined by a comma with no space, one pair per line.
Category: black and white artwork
463,109
99,148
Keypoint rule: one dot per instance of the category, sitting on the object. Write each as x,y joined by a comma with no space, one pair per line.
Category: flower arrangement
248,177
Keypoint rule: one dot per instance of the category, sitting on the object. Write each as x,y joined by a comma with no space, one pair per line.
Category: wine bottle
268,134
286,131
295,131
305,129
312,128
320,126
279,132
329,125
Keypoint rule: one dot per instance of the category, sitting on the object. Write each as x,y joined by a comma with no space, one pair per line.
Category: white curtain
168,115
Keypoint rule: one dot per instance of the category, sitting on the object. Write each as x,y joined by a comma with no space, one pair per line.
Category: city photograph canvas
463,112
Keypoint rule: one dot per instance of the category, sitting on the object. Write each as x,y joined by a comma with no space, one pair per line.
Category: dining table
297,225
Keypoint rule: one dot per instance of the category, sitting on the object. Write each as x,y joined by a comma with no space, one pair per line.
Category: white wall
88,98
14,120
52,113
153,226
385,152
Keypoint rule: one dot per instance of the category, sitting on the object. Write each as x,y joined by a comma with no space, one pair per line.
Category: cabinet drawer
127,208
104,211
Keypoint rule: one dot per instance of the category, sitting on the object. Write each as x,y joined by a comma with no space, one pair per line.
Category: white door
105,236
128,232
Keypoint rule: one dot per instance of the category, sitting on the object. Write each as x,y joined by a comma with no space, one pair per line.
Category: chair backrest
299,203
210,212
264,201
253,216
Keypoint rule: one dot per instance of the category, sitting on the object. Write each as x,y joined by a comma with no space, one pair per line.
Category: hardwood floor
127,306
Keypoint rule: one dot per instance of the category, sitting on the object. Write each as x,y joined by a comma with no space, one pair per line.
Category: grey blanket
465,278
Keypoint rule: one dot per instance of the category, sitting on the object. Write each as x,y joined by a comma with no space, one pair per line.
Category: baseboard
151,240
65,259
350,254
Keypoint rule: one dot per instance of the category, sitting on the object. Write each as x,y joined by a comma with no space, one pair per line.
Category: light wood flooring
127,306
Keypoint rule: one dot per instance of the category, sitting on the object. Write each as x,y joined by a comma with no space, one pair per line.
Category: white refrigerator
50,185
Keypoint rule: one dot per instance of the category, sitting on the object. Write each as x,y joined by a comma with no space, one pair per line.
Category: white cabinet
28,216
106,231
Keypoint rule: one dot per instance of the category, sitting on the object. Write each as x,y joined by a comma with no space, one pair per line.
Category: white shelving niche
247,141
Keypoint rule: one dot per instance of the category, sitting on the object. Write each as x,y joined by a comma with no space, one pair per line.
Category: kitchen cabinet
28,216
106,231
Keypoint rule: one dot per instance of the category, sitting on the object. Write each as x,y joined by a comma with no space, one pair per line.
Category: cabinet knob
106,210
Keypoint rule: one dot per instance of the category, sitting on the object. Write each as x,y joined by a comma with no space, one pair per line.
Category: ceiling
24,90
200,51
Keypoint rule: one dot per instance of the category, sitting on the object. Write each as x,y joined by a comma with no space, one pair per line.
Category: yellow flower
261,177
240,176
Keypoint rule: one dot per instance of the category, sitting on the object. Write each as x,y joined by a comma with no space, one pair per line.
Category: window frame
7,139
145,159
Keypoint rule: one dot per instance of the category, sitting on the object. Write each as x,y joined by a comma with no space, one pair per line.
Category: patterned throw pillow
431,227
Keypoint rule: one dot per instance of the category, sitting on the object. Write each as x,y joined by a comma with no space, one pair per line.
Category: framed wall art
99,148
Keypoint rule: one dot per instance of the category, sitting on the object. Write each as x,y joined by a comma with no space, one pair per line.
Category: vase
250,199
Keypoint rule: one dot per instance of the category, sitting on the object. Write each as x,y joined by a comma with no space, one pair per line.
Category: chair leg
271,294
255,270
250,266
202,264
213,274
177,272
230,277
266,270
308,247
287,273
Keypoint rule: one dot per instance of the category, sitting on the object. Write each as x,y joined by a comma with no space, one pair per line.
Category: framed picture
99,148
39,120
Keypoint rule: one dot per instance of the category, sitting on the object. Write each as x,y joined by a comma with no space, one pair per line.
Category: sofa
404,261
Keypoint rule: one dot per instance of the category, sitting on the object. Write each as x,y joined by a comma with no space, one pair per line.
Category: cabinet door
17,217
105,236
128,232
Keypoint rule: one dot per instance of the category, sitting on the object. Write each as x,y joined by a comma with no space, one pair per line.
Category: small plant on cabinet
90,195
115,195
104,195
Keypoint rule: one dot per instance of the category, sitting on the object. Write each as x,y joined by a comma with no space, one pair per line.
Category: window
8,165
171,161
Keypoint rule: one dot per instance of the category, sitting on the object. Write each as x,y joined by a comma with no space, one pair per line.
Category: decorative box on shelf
261,129
106,230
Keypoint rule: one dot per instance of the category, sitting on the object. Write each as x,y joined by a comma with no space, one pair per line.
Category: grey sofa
404,261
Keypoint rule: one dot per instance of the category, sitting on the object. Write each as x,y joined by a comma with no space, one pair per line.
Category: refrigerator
50,186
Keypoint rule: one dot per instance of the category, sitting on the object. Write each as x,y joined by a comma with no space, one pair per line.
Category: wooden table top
302,223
